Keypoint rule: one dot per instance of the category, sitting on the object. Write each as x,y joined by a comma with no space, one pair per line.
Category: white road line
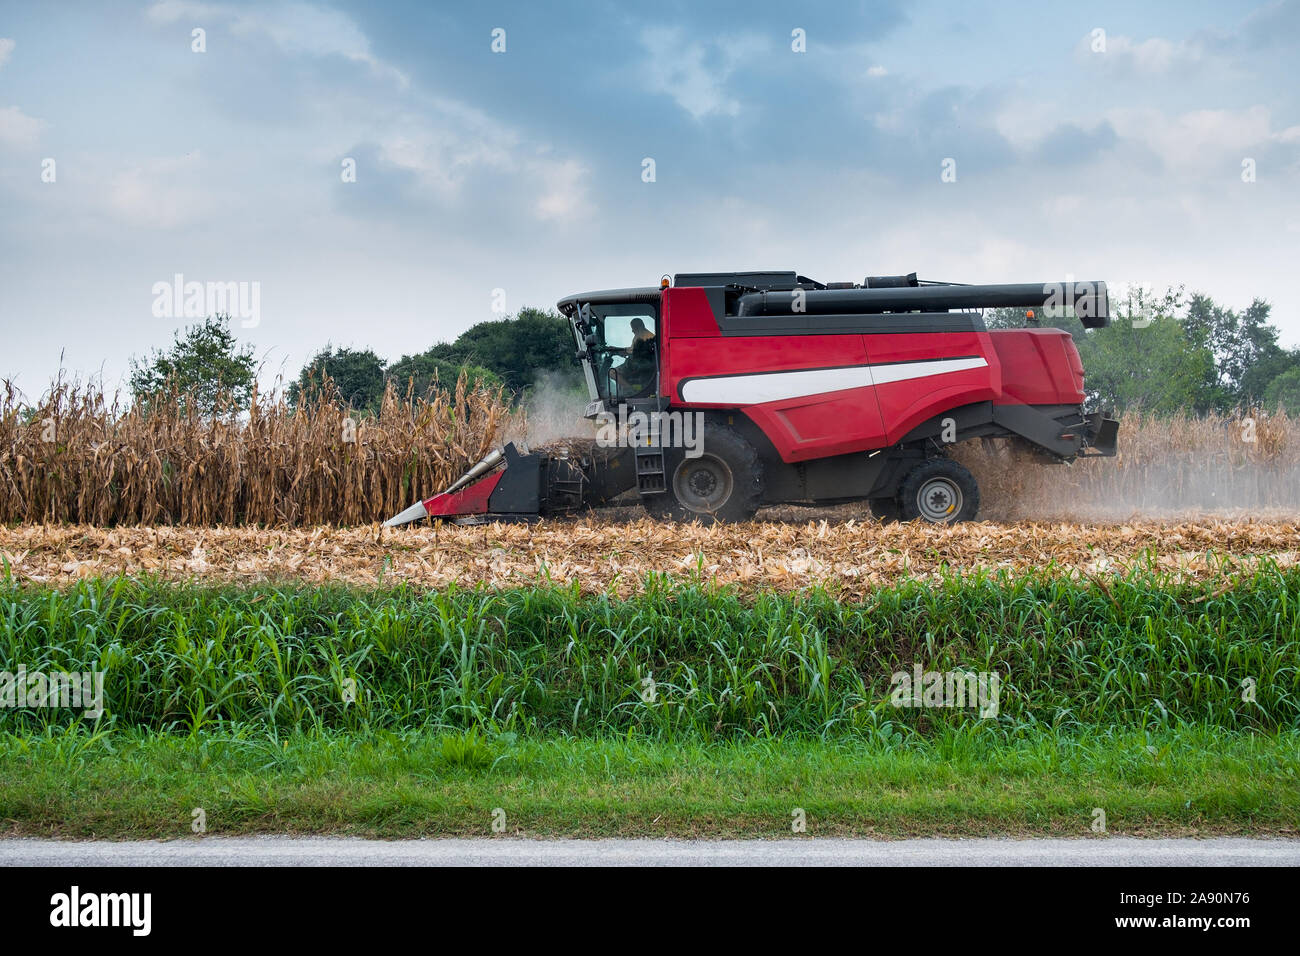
802,851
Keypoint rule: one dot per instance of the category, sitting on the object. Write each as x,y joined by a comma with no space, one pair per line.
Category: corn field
1245,465
77,456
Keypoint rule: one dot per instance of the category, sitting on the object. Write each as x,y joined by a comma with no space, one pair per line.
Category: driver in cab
638,373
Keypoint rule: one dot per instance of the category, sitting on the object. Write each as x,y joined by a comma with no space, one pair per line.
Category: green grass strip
1195,780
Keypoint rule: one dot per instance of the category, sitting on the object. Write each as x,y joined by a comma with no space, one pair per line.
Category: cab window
627,354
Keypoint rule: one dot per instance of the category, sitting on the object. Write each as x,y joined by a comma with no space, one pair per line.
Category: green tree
1153,367
427,371
205,366
1259,378
1284,391
519,349
1246,354
357,374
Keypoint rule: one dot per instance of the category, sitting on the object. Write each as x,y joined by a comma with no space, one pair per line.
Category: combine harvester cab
729,391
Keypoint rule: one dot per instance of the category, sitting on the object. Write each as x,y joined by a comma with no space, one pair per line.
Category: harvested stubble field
850,558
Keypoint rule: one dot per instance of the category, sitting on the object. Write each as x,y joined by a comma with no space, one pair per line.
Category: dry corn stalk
77,456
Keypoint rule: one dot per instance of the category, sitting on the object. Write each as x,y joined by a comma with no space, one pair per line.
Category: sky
384,175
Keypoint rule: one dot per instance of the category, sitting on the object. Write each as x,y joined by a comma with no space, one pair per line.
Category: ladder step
650,471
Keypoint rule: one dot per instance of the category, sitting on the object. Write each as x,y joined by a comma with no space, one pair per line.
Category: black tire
724,483
886,510
939,491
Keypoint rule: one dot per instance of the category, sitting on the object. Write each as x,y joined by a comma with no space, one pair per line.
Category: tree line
206,365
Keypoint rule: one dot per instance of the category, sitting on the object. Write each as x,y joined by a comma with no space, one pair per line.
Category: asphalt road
806,851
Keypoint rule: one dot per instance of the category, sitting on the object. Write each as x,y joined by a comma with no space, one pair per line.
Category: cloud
441,152
1155,54
297,28
18,129
1070,143
436,145
415,150
1274,24
695,73
448,154
1204,144
445,165
1199,142
1132,59
160,193
6,47
564,193
921,128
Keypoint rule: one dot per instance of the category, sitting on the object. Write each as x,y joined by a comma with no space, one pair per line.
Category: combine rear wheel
724,483
939,491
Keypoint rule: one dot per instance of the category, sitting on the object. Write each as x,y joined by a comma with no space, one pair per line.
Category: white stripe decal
779,386
902,371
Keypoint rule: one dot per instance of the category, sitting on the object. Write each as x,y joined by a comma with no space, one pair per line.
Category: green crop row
678,660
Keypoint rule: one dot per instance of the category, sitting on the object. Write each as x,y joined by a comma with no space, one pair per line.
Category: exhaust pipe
418,510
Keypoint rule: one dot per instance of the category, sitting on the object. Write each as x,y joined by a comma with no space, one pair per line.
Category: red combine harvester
728,391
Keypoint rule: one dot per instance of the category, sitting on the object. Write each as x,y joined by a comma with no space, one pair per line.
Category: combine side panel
919,376
811,394
1039,367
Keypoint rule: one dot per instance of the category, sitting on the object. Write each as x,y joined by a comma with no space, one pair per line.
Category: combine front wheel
939,491
724,483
